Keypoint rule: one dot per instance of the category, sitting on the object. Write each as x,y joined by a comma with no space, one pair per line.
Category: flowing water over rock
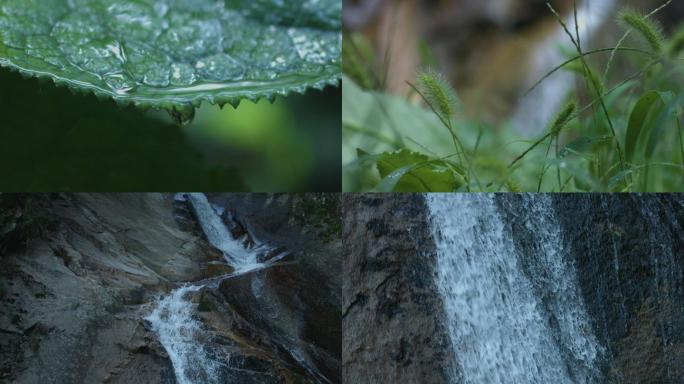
514,288
173,321
129,288
508,323
217,234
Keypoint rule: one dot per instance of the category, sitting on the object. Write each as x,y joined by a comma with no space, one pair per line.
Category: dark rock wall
76,270
80,271
391,314
629,253
296,303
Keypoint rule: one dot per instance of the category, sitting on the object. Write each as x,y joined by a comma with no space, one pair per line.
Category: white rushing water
178,331
239,257
172,319
506,324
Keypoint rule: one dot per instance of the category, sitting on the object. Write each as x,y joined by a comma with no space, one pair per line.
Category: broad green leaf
581,144
643,115
407,171
670,111
174,54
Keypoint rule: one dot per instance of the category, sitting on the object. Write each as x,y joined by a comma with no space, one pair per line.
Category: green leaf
174,54
667,114
642,117
407,171
581,144
618,179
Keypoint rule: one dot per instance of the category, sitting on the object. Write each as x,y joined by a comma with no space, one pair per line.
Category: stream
174,317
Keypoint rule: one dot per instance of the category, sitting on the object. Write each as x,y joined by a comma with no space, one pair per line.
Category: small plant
623,135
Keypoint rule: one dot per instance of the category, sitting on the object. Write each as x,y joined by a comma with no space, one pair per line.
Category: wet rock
271,253
216,269
392,317
73,297
236,229
73,294
297,301
629,253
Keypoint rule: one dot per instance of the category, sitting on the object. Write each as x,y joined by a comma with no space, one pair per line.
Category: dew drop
182,115
182,75
220,67
119,83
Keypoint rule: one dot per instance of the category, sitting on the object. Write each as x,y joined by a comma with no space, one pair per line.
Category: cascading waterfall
172,319
217,234
509,324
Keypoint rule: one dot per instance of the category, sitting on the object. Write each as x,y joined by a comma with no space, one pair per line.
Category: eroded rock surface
629,252
73,288
297,301
81,273
392,314
625,254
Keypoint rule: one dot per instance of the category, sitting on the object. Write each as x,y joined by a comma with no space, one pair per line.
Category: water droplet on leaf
183,115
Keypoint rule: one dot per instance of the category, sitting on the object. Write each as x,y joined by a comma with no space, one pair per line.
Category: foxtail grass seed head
513,187
649,30
563,118
438,92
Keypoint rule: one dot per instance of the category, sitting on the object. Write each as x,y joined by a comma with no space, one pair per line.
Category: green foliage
320,211
393,144
357,56
676,44
407,171
641,121
55,141
174,54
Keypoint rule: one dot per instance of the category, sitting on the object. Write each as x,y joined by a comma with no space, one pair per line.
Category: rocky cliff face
81,272
72,288
392,320
629,253
299,301
618,257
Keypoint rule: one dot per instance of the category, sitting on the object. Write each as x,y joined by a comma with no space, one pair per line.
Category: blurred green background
54,140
